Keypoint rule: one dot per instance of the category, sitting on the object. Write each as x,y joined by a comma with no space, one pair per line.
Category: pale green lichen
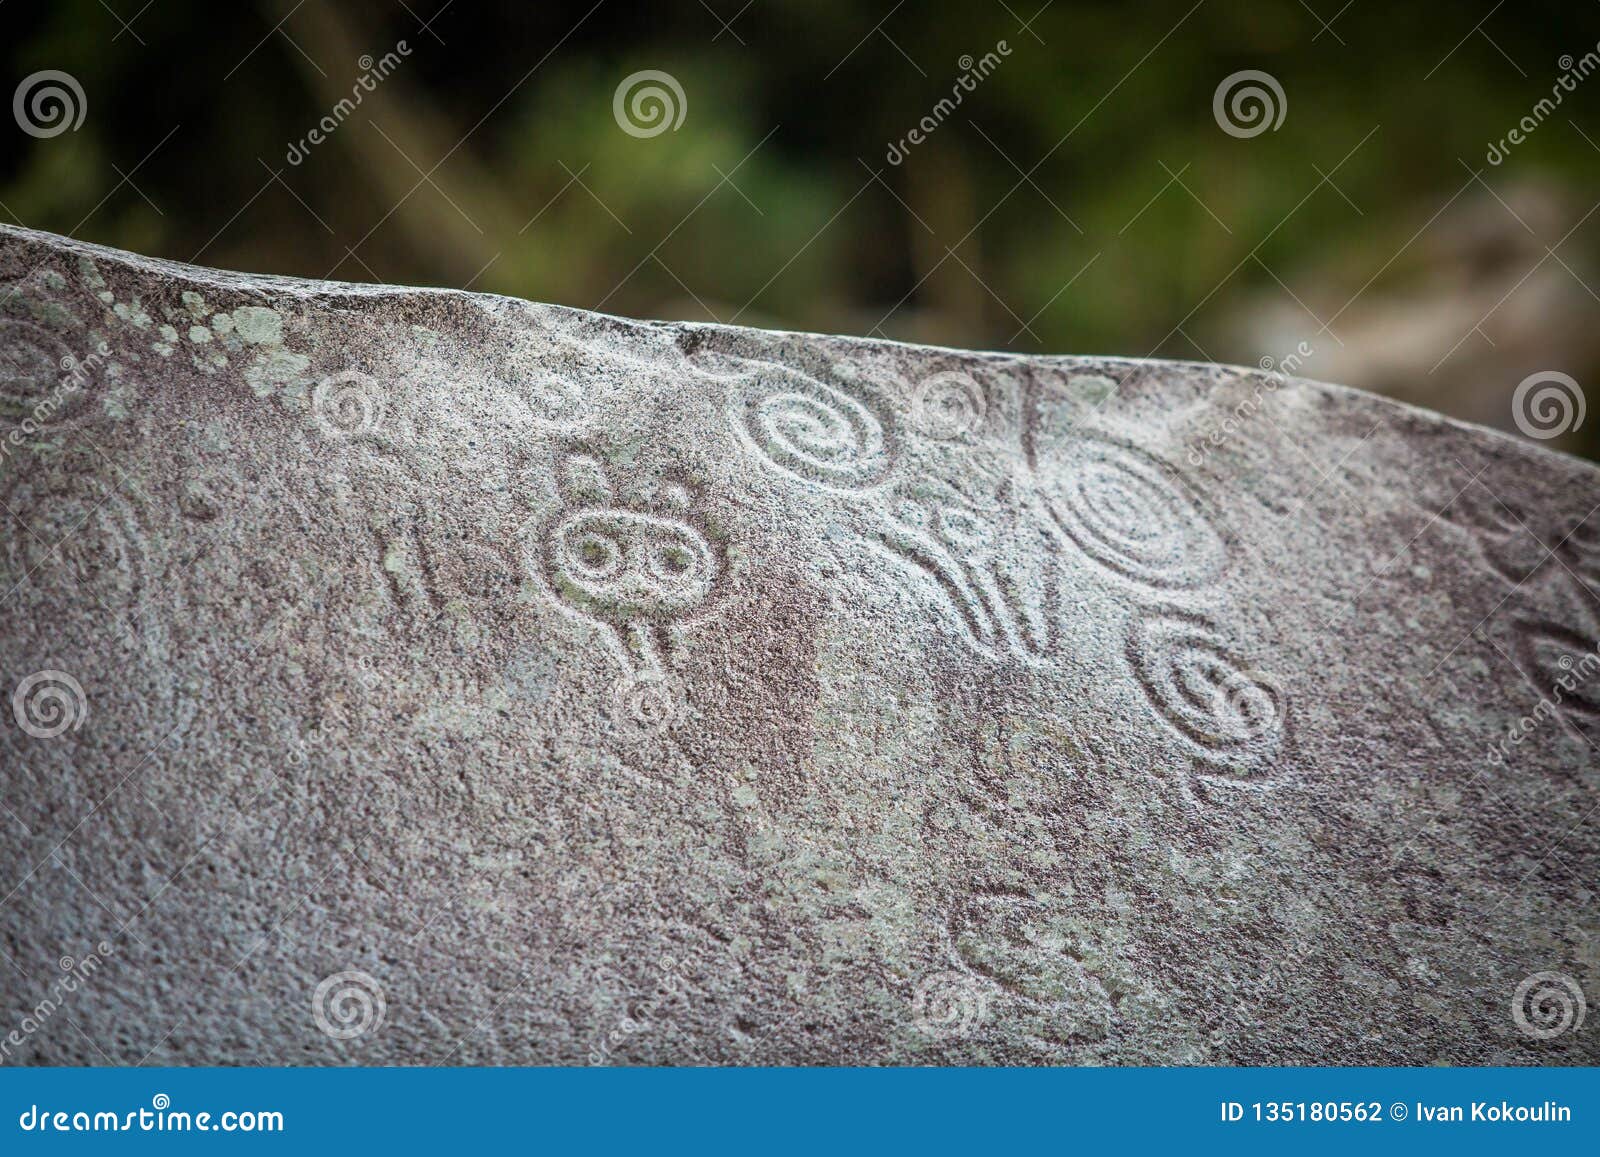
199,334
52,313
196,305
1092,388
277,370
90,272
134,314
259,325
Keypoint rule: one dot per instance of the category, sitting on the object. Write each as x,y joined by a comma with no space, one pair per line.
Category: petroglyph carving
810,430
1132,515
1204,692
635,572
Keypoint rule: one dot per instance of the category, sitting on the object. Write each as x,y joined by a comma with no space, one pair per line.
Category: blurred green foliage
1090,156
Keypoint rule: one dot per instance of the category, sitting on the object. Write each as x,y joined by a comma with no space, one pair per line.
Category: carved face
622,565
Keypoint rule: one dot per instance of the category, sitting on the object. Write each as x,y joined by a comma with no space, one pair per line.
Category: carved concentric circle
646,704
1126,511
948,405
1204,691
43,384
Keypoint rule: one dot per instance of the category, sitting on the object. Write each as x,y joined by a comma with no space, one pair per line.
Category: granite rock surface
411,676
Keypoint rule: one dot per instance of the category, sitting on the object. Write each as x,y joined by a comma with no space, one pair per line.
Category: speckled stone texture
409,676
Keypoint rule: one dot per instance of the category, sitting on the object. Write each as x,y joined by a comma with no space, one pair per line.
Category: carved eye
596,555
671,560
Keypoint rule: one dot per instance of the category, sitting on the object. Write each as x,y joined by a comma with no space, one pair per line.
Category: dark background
1083,199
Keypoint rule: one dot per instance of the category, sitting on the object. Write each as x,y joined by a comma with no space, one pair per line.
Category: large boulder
414,676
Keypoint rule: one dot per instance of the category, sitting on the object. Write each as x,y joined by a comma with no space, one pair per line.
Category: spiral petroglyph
1200,688
812,431
645,704
1124,510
